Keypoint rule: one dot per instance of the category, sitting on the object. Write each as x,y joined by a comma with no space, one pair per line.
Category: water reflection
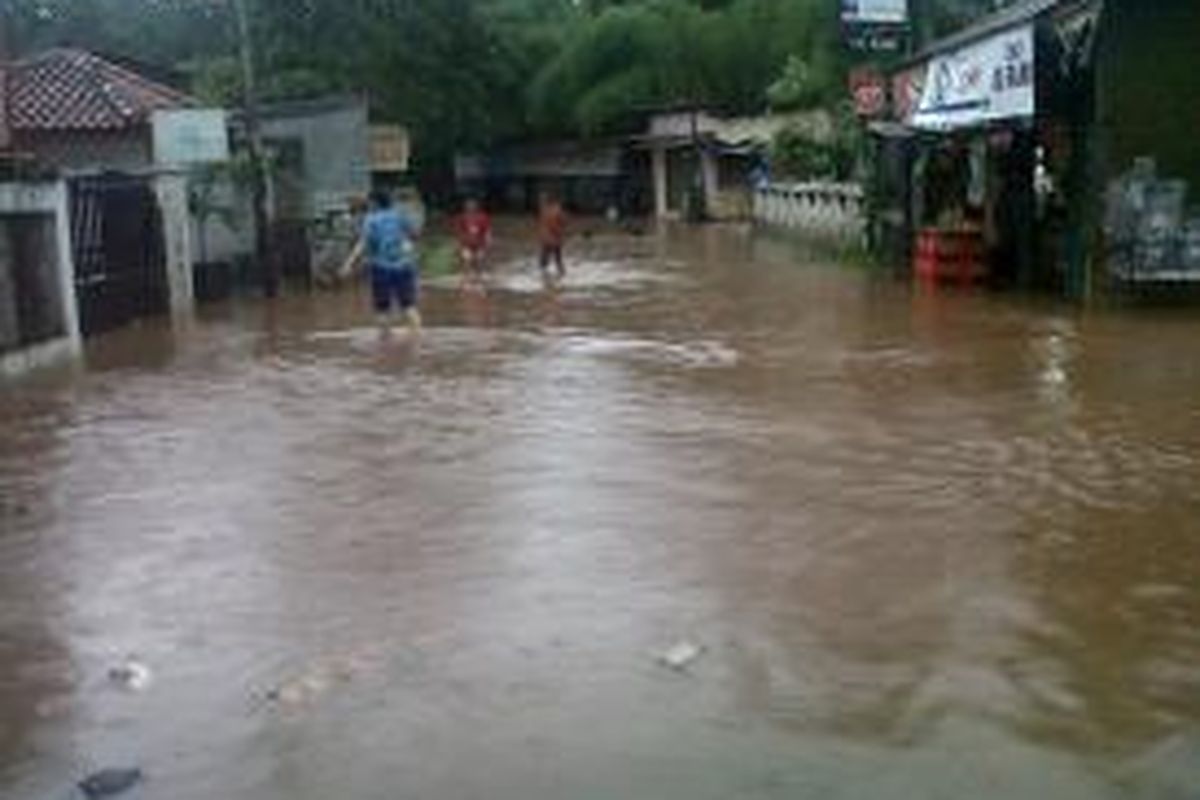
38,676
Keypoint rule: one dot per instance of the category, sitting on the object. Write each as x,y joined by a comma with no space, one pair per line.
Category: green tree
630,56
464,74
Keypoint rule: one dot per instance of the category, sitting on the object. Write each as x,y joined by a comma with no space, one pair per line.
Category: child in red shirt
474,230
552,233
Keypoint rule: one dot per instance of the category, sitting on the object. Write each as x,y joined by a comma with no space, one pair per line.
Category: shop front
977,156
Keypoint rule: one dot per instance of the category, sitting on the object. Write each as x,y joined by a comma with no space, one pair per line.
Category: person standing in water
474,229
388,249
552,232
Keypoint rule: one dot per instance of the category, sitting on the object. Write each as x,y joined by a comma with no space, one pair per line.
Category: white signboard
190,136
875,12
983,82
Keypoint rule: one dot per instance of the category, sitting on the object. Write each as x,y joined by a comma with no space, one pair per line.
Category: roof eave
994,23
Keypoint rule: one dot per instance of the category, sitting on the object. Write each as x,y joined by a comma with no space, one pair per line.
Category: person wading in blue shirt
388,249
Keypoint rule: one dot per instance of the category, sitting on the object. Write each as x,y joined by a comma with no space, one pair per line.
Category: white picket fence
820,210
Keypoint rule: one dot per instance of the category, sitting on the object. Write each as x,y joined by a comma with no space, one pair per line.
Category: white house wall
50,200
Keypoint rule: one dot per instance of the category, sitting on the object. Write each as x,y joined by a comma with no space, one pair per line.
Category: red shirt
552,225
474,229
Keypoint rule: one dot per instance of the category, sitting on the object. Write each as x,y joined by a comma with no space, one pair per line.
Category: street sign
875,38
869,90
190,136
874,26
875,12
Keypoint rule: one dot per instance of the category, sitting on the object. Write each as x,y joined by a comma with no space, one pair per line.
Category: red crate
949,256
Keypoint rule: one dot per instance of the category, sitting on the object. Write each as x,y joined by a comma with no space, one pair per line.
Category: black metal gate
120,259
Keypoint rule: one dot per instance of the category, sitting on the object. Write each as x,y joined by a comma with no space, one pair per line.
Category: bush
799,154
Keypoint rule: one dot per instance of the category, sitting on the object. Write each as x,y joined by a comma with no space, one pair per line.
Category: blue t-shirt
388,233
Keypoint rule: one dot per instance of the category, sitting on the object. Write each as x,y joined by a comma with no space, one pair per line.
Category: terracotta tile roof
72,90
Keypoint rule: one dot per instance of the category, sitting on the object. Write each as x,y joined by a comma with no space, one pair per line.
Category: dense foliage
798,154
466,73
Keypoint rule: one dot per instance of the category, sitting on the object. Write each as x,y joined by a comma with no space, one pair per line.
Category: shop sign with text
984,82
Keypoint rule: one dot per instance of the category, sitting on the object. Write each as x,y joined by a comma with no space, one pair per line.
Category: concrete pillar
658,159
172,192
60,201
710,176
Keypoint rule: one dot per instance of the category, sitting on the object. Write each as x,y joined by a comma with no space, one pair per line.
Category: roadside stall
1051,145
992,118
971,104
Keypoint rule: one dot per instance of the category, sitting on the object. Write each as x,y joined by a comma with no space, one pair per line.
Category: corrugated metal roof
72,90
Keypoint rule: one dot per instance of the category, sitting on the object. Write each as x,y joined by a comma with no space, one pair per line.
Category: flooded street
933,545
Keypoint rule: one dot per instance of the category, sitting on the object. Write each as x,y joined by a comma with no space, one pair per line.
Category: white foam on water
524,277
703,354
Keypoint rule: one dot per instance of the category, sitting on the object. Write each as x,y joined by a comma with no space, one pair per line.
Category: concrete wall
227,235
45,206
1149,95
335,142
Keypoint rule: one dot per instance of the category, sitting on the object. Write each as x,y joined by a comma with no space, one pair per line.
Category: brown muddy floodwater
935,545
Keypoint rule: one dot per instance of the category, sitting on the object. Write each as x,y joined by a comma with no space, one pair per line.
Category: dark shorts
394,287
551,254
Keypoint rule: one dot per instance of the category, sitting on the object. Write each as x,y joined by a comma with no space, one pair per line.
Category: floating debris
109,782
681,656
132,675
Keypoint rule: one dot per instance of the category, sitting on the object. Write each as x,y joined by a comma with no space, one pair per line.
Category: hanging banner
875,12
983,82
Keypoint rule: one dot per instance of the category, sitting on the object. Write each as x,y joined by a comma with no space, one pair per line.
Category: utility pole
250,112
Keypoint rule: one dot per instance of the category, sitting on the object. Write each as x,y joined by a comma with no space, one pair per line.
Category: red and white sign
907,89
869,90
